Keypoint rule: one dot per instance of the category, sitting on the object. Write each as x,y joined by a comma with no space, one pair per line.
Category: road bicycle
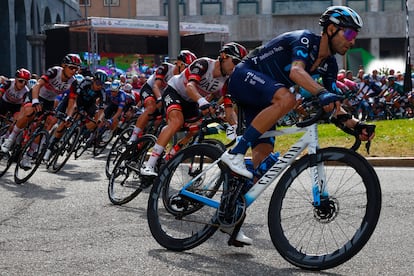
66,145
322,212
154,127
126,181
98,140
31,143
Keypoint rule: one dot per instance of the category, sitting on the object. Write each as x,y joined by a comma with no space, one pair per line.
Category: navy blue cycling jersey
86,95
118,100
274,59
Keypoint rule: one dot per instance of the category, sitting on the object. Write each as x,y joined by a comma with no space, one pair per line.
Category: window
181,7
358,5
84,2
393,5
111,3
210,7
247,7
300,7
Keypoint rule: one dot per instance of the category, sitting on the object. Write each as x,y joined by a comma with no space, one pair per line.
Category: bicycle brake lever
367,146
370,130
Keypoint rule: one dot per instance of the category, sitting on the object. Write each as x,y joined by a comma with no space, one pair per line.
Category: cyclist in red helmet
13,92
190,92
151,92
53,83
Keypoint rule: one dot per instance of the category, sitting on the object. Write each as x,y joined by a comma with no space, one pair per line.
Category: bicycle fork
319,187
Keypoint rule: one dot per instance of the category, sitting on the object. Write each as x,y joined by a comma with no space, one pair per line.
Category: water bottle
267,163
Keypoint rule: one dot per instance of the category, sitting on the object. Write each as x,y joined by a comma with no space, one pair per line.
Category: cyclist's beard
331,49
221,68
65,76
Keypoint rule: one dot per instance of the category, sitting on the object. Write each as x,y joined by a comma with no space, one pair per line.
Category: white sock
157,150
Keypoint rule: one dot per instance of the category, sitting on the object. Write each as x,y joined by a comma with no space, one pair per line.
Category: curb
391,161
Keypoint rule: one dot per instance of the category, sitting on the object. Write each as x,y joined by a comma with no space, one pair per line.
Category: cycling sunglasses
71,67
22,80
350,34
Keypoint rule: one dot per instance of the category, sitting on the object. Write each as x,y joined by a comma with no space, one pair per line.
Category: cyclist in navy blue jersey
260,83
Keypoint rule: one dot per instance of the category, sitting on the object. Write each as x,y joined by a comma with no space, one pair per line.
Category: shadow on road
233,263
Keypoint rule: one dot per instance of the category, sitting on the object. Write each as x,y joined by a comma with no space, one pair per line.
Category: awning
142,27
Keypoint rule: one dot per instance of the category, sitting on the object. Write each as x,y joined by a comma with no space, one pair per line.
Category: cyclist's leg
25,118
269,100
150,106
175,109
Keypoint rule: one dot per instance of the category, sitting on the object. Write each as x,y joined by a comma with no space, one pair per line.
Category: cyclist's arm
70,110
230,113
302,78
36,89
157,89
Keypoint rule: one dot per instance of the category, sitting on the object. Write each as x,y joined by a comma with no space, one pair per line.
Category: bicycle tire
5,162
332,235
65,150
21,175
178,223
215,142
83,143
126,181
99,145
114,152
3,129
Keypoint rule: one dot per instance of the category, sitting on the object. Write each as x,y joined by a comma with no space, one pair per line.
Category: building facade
250,22
22,40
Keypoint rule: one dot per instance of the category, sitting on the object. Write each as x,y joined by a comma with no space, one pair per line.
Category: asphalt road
64,224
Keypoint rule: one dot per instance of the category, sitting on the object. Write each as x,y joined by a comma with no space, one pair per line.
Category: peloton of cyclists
54,82
187,94
87,97
151,92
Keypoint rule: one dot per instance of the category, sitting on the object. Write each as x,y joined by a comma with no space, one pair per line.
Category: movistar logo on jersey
301,53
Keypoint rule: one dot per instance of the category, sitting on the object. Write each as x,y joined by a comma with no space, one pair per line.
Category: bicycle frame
308,140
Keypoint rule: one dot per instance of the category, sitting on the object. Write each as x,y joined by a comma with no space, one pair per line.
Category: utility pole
174,43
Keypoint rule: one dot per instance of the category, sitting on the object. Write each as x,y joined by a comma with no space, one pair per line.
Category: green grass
393,138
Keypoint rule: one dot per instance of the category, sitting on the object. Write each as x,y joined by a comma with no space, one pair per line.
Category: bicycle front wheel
5,162
177,222
31,156
326,236
114,152
125,181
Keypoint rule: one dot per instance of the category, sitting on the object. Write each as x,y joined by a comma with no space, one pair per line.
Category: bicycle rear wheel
318,238
66,147
126,181
35,154
177,222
